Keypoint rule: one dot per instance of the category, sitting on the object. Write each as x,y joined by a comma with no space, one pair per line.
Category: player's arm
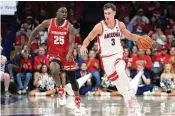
95,31
127,33
41,27
71,38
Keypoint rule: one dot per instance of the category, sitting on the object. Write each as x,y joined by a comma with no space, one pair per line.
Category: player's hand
68,57
83,50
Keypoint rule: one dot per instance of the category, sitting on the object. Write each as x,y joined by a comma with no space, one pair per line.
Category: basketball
144,42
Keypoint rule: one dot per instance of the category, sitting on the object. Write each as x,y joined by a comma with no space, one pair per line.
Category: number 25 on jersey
59,40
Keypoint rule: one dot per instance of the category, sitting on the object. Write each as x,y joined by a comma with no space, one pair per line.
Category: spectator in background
45,85
25,70
21,40
27,30
126,57
149,52
134,51
78,61
167,80
3,75
129,26
93,67
142,57
145,79
43,36
139,17
88,85
35,45
42,16
95,48
40,59
31,22
163,57
172,57
152,25
154,55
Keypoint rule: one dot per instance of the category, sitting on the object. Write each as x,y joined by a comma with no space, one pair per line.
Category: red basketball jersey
58,38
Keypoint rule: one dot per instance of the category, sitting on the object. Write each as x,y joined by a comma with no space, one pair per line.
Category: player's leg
123,85
55,69
75,87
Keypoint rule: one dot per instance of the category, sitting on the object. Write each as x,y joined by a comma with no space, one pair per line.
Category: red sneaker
61,95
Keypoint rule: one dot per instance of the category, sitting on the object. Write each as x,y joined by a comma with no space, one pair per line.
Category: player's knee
54,67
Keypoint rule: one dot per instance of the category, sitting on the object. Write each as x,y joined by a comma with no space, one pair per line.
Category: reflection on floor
91,106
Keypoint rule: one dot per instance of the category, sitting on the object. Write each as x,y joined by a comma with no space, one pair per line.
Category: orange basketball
144,42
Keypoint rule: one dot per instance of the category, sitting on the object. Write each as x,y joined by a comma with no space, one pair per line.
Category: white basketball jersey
109,42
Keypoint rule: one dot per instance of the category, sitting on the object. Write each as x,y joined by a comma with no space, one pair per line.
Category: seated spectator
4,76
43,36
27,31
93,67
134,51
140,16
25,70
163,57
35,45
31,22
45,85
127,60
149,52
40,59
167,79
167,82
78,61
20,41
129,26
145,80
88,85
142,57
96,49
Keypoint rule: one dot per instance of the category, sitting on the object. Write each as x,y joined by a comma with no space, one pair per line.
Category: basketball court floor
91,106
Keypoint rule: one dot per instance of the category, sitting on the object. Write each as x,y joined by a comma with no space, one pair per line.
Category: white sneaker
19,92
77,104
24,91
133,107
62,96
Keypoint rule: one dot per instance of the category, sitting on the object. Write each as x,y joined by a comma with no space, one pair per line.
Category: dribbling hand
83,50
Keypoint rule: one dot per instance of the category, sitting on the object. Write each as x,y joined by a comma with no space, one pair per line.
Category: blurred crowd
155,19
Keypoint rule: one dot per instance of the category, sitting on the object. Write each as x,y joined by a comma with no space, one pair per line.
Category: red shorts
66,65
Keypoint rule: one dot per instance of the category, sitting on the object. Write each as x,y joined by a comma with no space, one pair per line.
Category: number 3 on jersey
59,40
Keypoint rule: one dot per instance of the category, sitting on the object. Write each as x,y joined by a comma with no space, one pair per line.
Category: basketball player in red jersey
60,47
108,33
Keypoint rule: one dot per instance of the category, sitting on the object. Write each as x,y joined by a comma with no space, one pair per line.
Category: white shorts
109,62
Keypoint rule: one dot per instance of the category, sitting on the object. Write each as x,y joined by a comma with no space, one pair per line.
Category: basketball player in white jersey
108,33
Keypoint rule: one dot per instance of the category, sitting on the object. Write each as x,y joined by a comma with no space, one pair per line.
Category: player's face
109,14
62,13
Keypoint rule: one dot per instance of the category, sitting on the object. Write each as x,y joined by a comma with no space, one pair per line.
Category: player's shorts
66,65
108,64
